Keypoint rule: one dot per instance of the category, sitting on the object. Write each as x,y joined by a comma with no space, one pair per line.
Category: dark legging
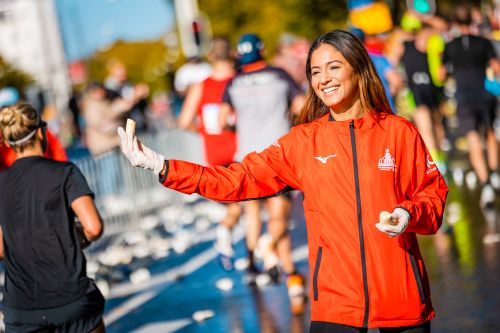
322,327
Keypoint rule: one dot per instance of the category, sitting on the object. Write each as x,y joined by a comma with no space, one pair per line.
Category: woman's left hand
402,217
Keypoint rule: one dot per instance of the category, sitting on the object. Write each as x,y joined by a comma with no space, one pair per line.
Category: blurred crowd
441,72
100,107
428,79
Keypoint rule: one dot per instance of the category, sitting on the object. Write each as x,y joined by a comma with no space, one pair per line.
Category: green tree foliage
270,19
146,61
13,77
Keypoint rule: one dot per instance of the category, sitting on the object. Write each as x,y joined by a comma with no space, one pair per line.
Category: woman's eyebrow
328,63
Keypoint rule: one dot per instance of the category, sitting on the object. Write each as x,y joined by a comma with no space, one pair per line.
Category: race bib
210,115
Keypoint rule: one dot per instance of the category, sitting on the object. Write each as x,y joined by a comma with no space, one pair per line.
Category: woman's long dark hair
370,88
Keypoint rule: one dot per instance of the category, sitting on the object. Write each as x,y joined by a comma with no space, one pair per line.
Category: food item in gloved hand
387,218
130,127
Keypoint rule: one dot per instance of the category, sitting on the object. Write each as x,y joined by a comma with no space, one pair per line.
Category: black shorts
80,316
426,95
475,117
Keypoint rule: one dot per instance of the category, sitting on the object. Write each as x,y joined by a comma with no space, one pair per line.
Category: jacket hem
358,322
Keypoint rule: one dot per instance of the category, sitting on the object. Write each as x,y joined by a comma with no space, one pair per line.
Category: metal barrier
124,194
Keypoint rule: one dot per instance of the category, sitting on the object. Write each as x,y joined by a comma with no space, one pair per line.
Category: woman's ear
39,133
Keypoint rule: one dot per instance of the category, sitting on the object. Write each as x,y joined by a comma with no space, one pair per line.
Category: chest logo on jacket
387,162
324,159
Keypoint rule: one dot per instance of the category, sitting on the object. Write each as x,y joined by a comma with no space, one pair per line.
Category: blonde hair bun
17,122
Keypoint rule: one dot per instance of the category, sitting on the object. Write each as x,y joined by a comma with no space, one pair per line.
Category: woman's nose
325,77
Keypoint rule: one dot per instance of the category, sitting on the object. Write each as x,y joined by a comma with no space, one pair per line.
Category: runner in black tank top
467,57
427,117
418,76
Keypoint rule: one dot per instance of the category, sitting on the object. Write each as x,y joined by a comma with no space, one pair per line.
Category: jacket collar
362,124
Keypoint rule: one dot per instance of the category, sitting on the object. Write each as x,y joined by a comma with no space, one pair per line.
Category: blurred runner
203,103
467,58
193,71
46,286
261,97
390,77
427,96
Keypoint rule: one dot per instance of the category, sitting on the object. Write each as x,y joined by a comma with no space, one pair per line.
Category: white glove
138,154
401,216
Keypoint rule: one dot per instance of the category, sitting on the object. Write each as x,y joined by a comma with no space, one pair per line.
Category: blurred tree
146,61
446,7
13,77
307,18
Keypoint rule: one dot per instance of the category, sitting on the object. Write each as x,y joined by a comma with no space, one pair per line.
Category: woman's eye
314,73
334,67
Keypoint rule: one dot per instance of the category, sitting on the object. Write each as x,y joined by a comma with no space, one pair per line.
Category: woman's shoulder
396,119
312,125
399,124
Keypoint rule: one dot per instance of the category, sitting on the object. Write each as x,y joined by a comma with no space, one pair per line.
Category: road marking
158,281
161,280
128,307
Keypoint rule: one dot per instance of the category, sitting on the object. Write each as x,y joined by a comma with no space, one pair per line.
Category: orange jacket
349,172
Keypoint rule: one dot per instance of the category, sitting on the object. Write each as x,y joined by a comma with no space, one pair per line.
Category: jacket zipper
316,272
418,280
360,222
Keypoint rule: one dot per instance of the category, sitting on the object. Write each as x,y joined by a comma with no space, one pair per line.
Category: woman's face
333,78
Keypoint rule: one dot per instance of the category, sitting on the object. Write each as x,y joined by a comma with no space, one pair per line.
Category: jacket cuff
163,178
408,206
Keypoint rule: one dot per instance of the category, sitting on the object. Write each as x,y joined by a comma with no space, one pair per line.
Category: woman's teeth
330,89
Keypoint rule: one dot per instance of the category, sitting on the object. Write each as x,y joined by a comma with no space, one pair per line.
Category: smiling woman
334,83
346,66
353,159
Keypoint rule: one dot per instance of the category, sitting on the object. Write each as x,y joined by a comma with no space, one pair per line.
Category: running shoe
251,275
269,256
487,198
274,274
226,262
296,293
224,247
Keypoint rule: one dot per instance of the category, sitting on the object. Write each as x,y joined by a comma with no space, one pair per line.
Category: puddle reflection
462,260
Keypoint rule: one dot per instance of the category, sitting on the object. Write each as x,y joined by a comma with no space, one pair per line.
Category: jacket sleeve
423,186
259,175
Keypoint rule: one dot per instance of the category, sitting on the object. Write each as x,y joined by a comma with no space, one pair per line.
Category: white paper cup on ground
202,315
